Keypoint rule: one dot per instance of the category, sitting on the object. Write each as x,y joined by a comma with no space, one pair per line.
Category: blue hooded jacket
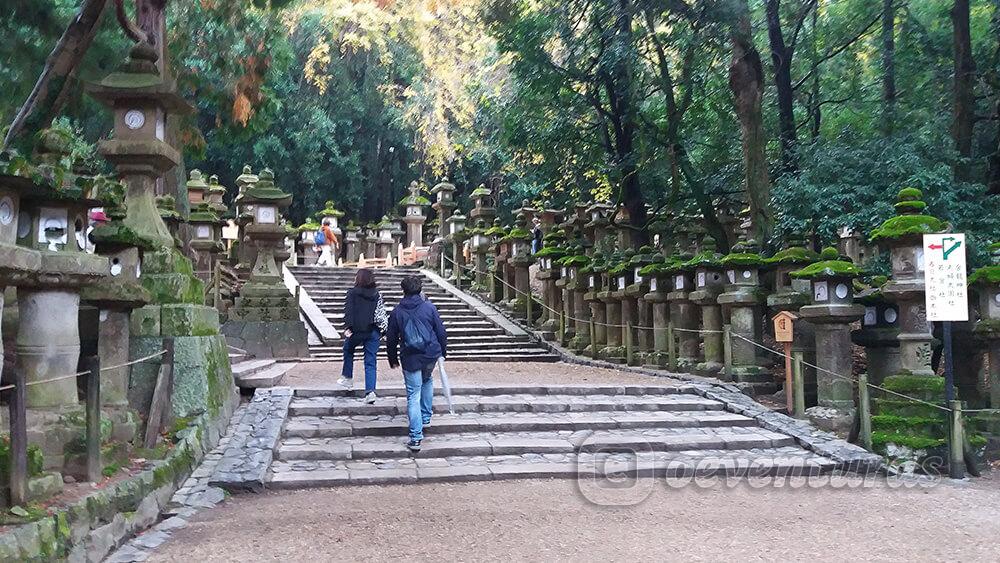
414,308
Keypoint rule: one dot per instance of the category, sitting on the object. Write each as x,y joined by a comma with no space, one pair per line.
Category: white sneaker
346,383
370,398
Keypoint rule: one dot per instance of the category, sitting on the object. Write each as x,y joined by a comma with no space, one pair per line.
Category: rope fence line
78,374
706,331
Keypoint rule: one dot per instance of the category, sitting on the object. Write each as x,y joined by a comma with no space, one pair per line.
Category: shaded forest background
810,113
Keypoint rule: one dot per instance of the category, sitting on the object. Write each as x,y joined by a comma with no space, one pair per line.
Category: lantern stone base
831,419
284,339
169,278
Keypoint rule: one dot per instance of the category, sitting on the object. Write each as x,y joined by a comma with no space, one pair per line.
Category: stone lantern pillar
398,236
832,311
245,254
414,218
879,334
622,219
615,350
742,305
598,226
621,277
482,201
480,244
206,228
332,214
55,225
444,204
593,276
369,239
708,280
383,239
307,239
519,263
265,319
659,279
455,239
16,261
352,244
636,292
790,294
501,252
549,271
215,194
986,283
573,265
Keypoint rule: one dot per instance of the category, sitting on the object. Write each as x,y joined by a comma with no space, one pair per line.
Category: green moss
551,252
705,258
914,383
517,233
578,260
881,439
903,424
657,269
827,269
418,200
120,235
989,275
903,225
794,255
910,206
909,194
36,462
742,259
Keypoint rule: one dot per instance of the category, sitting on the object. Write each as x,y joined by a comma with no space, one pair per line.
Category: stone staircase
255,374
513,432
472,335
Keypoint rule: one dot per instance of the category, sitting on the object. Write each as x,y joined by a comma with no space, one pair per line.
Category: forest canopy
809,114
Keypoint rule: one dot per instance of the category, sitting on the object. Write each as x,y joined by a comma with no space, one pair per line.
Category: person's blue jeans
370,342
419,399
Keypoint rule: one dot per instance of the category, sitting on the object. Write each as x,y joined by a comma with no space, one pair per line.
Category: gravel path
325,374
550,520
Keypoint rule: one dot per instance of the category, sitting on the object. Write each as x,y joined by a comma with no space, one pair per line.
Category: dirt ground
553,520
325,374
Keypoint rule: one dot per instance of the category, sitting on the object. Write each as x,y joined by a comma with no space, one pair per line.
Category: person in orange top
330,247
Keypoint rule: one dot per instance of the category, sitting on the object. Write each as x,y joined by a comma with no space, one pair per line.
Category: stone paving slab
245,462
319,406
733,463
396,425
493,390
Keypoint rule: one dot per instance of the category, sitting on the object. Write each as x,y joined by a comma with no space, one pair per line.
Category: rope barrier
75,375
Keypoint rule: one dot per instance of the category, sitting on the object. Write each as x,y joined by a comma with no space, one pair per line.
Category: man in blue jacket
417,333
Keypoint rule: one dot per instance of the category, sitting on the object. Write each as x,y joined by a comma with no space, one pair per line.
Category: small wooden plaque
783,326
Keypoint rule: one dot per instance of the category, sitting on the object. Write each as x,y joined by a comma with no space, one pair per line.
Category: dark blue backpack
416,336
320,238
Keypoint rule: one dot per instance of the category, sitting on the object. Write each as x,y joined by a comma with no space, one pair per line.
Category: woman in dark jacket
365,320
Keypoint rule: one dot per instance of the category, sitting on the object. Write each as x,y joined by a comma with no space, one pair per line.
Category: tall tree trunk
993,171
47,98
888,67
746,81
815,112
781,59
964,115
619,89
152,19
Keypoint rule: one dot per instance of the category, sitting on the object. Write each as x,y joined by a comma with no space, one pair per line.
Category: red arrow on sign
935,246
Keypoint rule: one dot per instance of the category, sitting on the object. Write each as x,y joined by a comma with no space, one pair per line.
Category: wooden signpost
783,333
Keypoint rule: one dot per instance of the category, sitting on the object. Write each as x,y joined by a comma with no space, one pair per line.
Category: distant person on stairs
365,321
329,246
416,338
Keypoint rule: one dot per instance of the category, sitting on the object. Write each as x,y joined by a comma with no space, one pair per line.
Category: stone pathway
196,495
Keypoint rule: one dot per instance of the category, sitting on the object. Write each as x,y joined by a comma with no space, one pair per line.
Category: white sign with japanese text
946,293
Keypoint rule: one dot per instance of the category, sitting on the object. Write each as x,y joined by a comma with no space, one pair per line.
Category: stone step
454,345
584,466
465,319
517,355
520,443
485,340
333,406
269,377
250,367
494,390
462,422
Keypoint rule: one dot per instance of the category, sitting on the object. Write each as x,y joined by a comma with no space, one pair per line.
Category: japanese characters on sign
944,275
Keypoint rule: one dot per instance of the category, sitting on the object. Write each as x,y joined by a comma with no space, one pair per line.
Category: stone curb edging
851,457
246,461
92,527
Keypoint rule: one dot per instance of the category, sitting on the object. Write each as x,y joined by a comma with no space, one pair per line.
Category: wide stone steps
471,335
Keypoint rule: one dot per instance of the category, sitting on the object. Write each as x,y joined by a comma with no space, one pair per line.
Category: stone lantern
574,265
444,204
398,234
879,334
614,351
709,281
216,194
115,299
789,295
483,208
142,101
519,262
332,214
307,239
832,311
16,262
593,278
742,306
383,241
166,205
986,283
245,254
684,314
206,227
265,319
658,276
598,224
635,292
414,205
55,220
352,243
498,291
455,238
548,273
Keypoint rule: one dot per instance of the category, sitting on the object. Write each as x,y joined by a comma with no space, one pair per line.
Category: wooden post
628,344
527,307
93,413
298,296
593,338
789,392
18,441
864,412
671,347
159,406
798,384
727,350
956,457
562,328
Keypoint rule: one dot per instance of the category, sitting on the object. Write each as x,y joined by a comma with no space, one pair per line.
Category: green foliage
904,225
35,459
985,275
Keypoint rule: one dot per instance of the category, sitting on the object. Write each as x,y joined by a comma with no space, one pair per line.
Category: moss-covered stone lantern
658,276
832,311
444,203
709,279
986,283
384,242
265,319
609,295
244,254
216,194
592,276
520,261
483,206
634,293
332,214
480,244
879,333
497,233
742,306
414,215
684,314
574,262
352,242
